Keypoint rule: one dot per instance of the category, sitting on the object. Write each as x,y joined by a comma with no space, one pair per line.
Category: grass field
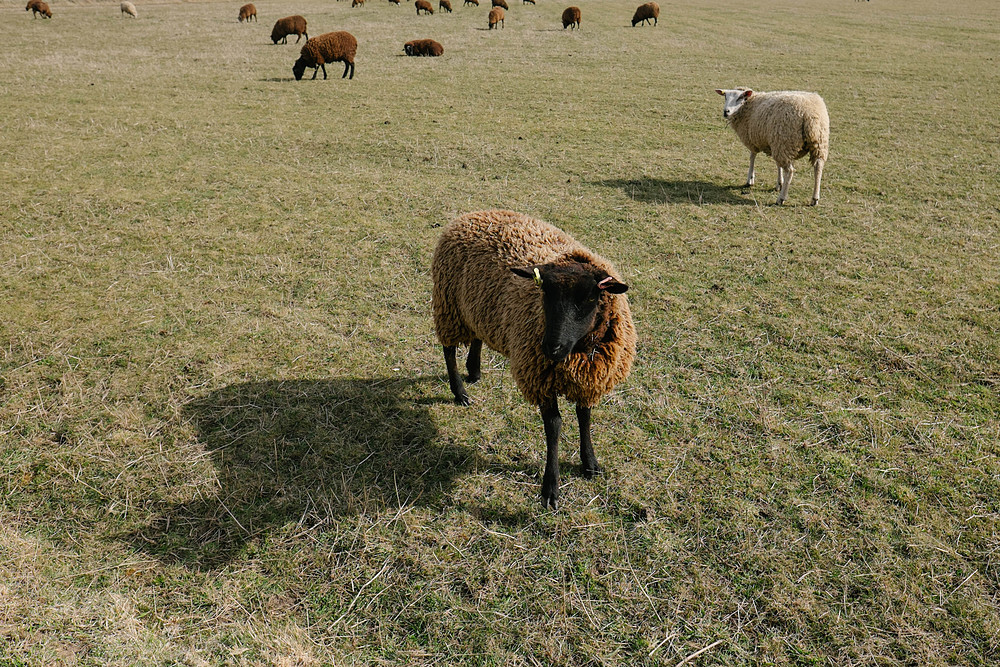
226,435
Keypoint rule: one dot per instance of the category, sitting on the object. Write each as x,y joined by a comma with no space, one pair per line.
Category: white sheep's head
734,100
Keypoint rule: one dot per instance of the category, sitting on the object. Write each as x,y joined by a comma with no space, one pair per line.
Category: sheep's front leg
454,379
818,176
785,177
473,363
587,458
324,70
750,174
550,481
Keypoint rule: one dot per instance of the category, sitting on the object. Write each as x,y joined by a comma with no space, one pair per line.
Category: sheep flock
504,279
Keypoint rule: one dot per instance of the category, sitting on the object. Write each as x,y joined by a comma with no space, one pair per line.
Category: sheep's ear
720,91
529,272
612,286
748,94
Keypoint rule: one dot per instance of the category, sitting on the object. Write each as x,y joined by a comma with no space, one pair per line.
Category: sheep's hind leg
454,379
587,457
818,176
473,363
550,481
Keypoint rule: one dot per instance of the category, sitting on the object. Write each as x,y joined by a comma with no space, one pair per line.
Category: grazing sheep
445,5
571,17
38,7
423,47
524,2
247,12
129,8
471,2
643,13
357,3
784,124
496,17
327,48
290,25
555,309
424,5
501,3
395,2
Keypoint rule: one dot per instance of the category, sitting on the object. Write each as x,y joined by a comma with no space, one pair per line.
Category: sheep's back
330,47
775,123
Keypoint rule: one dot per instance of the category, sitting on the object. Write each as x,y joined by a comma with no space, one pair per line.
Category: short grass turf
225,431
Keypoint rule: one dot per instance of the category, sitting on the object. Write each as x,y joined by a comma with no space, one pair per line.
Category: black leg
324,70
315,72
587,457
550,482
473,363
454,379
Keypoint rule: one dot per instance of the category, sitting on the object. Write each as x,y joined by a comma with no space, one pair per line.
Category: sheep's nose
555,352
725,114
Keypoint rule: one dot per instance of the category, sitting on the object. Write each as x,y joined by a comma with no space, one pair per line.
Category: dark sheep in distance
39,7
496,17
357,3
290,25
501,3
424,5
327,48
471,2
645,12
554,308
445,5
247,12
395,2
423,47
571,17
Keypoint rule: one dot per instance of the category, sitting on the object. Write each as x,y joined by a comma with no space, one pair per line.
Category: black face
298,68
570,297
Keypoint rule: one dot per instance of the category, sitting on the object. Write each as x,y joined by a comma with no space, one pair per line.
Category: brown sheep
496,17
445,5
423,47
327,48
501,3
471,2
38,7
290,25
424,5
357,3
554,308
571,17
247,12
643,13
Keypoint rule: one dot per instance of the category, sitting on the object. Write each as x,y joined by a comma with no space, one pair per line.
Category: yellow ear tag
538,277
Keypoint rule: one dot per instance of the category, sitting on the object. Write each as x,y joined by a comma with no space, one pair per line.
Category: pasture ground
225,429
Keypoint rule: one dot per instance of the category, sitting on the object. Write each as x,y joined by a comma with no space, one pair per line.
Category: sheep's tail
816,130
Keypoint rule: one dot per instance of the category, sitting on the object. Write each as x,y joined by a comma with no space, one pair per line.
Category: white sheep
784,124
129,8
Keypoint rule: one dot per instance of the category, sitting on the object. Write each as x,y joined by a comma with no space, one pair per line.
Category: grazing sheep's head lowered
734,100
571,296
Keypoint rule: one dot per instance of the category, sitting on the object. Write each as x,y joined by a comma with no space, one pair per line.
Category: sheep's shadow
303,453
277,79
659,191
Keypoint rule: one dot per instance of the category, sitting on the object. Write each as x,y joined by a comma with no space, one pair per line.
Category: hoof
814,202
590,471
463,400
550,496
473,379
779,202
